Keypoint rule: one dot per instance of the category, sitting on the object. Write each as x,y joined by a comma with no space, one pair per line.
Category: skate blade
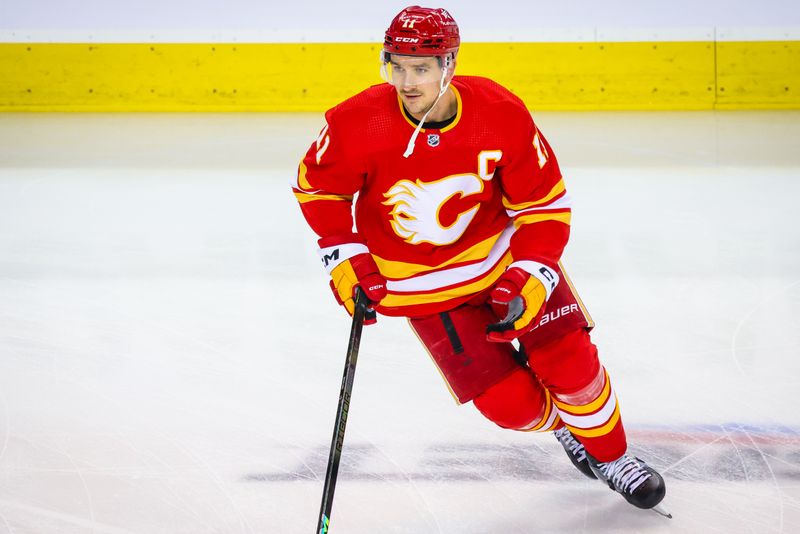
661,511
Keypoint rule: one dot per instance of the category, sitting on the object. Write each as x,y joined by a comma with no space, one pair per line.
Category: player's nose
410,81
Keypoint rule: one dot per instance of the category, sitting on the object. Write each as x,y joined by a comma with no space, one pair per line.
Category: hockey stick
341,412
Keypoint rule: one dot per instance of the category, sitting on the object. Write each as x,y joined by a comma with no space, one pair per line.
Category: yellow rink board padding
314,77
758,75
183,77
675,75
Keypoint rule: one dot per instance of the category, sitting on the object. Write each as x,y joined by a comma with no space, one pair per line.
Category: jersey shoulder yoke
371,101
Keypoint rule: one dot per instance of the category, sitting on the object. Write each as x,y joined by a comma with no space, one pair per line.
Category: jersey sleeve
327,179
535,198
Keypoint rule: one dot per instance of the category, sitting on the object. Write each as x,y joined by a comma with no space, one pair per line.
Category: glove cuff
335,250
547,276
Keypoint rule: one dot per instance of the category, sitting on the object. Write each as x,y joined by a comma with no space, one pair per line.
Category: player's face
417,80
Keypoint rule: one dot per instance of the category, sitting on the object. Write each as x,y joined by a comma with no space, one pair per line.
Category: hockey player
460,222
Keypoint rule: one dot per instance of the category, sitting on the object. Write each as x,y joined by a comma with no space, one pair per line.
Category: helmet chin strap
442,88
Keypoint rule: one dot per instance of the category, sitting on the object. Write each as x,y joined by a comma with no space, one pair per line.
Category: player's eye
422,70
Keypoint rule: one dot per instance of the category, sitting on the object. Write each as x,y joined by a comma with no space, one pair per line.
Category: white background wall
364,20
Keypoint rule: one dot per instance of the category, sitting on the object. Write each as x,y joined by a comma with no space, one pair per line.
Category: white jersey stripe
598,418
455,275
565,202
554,413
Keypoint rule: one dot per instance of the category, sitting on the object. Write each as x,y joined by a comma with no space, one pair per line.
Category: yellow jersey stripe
555,424
599,431
548,407
302,181
554,192
564,217
302,198
401,270
397,300
592,406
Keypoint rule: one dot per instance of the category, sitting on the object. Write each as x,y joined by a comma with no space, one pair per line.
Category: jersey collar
446,128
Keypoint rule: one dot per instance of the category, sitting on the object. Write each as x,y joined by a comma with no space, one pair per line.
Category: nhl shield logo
433,139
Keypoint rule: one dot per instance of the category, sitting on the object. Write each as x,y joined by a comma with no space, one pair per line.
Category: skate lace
626,473
569,441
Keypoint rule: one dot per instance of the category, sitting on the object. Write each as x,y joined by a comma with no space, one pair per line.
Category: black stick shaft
341,412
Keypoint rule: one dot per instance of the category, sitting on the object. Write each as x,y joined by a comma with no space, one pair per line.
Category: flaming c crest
416,206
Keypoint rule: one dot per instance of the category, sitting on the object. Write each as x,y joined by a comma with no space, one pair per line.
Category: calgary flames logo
416,205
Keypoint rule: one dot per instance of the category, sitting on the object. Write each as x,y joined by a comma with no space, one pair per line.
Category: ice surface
170,355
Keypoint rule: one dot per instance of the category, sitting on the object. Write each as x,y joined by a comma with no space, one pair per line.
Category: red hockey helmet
422,31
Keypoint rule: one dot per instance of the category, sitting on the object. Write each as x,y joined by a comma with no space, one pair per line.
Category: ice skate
575,451
640,484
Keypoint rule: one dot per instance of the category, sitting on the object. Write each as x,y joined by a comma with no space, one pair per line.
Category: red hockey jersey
444,223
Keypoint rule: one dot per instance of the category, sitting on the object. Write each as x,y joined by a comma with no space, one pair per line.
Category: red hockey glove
524,295
350,265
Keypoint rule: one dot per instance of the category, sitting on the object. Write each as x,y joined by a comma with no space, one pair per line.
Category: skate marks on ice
729,453
720,478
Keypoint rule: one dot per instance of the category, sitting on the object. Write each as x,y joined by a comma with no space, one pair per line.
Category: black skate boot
640,484
575,451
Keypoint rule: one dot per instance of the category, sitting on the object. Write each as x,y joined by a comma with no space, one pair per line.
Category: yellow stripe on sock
598,431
